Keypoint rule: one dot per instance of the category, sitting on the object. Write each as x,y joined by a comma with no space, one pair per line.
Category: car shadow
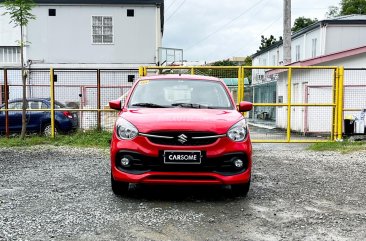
181,193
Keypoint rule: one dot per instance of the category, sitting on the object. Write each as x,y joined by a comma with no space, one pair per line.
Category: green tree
266,42
347,7
302,22
333,11
225,62
20,13
353,7
248,72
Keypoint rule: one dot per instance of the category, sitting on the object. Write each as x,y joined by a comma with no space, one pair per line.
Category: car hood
183,119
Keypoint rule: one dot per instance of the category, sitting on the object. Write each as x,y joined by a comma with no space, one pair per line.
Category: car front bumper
147,164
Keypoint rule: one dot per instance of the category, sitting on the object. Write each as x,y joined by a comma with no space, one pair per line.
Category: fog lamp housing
125,161
238,163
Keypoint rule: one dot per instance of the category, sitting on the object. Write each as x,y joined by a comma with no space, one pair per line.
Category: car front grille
141,164
183,138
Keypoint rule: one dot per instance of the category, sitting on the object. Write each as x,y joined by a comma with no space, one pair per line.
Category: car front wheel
119,188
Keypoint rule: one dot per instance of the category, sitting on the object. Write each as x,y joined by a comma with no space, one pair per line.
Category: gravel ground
57,193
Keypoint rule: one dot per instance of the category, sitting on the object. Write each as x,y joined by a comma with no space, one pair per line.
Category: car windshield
203,94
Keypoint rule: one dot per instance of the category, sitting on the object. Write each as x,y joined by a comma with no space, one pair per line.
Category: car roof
30,99
180,76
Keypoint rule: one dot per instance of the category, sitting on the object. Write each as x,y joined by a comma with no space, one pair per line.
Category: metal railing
291,104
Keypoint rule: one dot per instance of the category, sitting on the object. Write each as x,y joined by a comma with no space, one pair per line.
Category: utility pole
286,32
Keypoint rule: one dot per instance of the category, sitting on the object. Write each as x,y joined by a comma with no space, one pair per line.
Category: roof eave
312,27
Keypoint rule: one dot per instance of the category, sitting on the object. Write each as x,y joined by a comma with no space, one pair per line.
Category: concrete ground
60,193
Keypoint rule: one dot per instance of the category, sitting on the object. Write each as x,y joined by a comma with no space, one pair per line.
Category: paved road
56,193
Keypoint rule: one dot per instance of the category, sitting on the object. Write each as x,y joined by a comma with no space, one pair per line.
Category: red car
180,129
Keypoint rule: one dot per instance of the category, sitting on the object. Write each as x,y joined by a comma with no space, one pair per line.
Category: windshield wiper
150,105
192,105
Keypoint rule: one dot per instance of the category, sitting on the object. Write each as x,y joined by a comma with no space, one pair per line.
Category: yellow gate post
192,71
335,102
243,82
52,95
240,85
340,103
141,71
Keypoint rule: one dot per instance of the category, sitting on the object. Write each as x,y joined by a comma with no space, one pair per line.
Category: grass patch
343,147
90,138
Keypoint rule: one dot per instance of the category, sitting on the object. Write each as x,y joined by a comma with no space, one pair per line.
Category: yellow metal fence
291,104
294,105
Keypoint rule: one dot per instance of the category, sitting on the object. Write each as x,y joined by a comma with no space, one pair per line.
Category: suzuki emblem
182,138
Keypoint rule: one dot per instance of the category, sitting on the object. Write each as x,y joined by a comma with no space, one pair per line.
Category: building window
130,12
313,48
260,77
102,29
51,12
297,56
274,60
10,55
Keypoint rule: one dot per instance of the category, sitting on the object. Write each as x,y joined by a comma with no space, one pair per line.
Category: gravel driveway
59,193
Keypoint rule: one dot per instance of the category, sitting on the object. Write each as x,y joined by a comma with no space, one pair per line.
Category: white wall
66,37
345,37
9,34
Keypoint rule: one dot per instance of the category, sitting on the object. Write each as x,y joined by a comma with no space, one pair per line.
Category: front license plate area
182,157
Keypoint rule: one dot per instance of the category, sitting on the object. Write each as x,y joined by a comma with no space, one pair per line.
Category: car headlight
125,130
239,131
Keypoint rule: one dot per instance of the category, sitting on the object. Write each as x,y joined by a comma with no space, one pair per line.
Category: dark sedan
38,121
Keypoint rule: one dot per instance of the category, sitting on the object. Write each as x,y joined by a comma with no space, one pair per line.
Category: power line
252,14
265,29
239,50
220,28
176,10
170,5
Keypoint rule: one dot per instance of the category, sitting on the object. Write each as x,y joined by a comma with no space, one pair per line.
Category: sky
210,30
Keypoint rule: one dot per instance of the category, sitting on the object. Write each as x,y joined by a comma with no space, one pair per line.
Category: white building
322,38
332,42
87,33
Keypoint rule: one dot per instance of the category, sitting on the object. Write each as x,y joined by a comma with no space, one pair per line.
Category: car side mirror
115,104
245,106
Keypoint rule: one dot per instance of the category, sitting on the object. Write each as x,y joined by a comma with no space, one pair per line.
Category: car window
15,105
34,105
182,93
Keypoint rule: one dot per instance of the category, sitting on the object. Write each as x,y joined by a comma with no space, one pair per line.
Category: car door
15,117
2,119
35,117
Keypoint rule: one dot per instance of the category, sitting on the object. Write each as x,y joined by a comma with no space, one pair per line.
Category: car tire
119,188
240,190
46,129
